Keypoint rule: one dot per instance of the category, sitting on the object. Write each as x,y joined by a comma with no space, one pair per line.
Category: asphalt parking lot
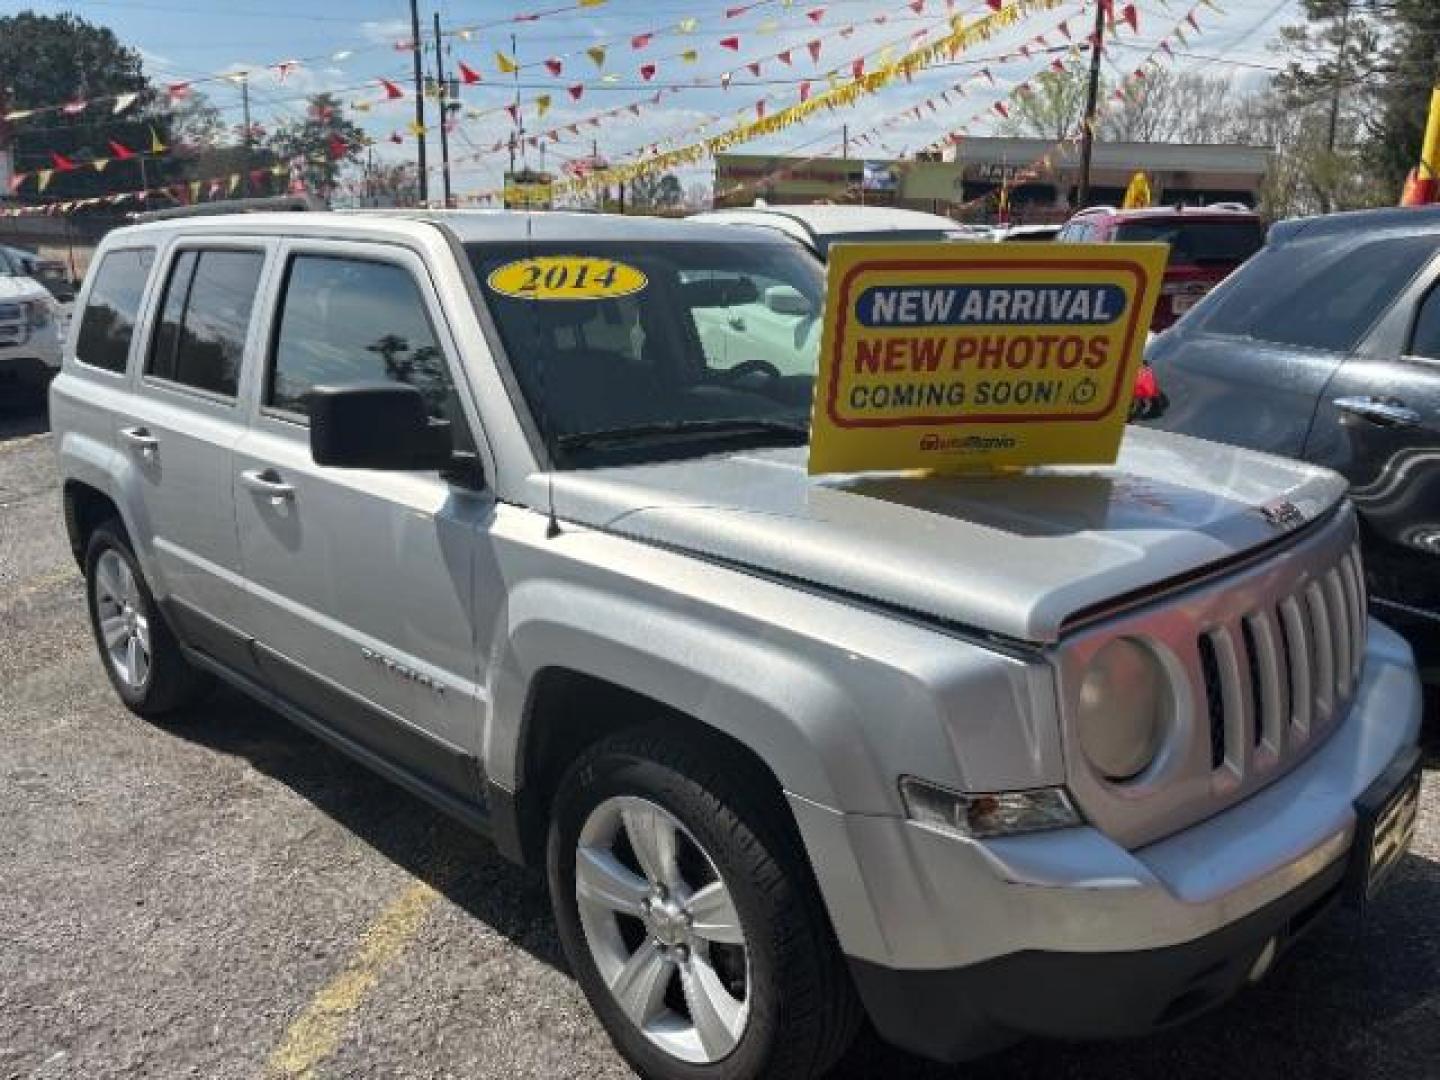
226,897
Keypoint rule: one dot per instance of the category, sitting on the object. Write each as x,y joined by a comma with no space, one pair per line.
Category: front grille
1281,674
1265,661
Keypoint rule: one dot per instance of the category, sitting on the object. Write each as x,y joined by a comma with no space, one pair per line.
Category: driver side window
1425,338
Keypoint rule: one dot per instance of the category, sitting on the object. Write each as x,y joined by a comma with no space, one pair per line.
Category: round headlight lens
1124,702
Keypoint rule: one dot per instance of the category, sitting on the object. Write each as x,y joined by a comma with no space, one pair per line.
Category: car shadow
1353,998
453,859
23,412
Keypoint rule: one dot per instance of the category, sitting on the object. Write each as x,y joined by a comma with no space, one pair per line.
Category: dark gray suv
1326,346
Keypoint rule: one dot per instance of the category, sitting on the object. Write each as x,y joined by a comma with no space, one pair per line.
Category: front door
1379,424
362,581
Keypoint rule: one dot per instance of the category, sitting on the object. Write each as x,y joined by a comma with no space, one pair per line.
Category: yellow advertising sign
960,356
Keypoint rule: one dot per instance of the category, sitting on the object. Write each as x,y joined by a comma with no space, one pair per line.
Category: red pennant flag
1065,29
988,74
396,137
783,57
1002,110
63,163
338,147
730,13
576,91
178,91
813,47
554,66
731,43
815,14
857,68
256,175
121,151
391,90
995,5
514,111
1025,50
754,67
760,110
805,91
17,180
917,6
1130,15
1190,18
468,75
634,108
1057,66
75,107
639,41
647,71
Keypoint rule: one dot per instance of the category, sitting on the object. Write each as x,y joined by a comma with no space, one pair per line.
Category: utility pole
248,140
845,140
419,102
443,91
1334,128
1092,92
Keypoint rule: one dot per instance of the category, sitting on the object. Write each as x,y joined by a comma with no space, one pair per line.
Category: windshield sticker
566,277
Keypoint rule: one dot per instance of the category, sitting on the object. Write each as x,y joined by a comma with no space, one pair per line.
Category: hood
14,289
1014,555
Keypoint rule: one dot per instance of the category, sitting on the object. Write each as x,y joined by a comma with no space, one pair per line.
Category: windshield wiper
668,429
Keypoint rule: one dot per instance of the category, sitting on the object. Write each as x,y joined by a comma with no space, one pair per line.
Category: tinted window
348,321
204,319
1426,339
109,320
890,236
1196,243
1316,295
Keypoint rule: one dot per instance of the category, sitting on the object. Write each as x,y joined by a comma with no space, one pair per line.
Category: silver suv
1075,753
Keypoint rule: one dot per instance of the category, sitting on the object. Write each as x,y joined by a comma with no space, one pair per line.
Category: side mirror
376,426
786,300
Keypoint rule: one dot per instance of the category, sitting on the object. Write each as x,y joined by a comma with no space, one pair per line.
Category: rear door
180,426
1379,424
362,582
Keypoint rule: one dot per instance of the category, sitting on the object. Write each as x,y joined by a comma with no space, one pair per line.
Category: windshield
647,351
1196,243
889,236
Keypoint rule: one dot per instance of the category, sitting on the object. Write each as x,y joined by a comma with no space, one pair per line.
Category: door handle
1379,411
141,439
267,482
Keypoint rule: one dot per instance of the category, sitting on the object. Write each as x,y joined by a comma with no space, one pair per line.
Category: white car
30,332
817,227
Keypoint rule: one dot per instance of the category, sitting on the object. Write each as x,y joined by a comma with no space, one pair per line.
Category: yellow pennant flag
690,56
194,191
156,146
542,104
233,184
44,175
100,163
591,3
596,53
416,129
687,26
506,65
278,170
1137,195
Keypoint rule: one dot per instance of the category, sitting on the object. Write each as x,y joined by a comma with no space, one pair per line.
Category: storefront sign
974,356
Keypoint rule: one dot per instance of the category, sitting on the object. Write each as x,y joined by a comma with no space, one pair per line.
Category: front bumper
959,946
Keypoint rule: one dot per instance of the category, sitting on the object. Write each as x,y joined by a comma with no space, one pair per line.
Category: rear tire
140,654
747,981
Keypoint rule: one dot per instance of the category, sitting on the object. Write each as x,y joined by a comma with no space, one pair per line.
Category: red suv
1206,244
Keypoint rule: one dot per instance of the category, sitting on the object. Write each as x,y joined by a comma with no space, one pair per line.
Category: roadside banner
965,357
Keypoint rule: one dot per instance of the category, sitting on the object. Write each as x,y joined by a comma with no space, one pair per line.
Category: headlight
38,313
978,816
1124,709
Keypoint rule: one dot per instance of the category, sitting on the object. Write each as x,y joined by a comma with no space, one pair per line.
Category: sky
348,46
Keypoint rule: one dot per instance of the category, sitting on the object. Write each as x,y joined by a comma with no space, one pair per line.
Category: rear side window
1316,295
108,324
1198,243
344,321
204,320
1425,341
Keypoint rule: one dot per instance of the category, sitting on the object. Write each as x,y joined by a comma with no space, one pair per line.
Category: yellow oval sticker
566,277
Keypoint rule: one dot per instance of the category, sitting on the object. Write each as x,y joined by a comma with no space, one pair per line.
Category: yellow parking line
316,1032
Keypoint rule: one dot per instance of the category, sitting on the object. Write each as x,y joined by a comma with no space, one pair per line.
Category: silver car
1076,753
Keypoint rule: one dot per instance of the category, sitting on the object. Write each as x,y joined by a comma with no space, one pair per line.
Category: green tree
48,60
1052,110
319,145
652,192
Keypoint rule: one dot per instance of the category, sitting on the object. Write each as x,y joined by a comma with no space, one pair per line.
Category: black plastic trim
956,1014
210,635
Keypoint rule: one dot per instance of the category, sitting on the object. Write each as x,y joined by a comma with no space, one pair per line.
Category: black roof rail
267,205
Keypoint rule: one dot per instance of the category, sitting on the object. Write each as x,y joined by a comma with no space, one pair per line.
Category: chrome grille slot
1322,671
1214,699
1339,630
1259,699
1297,636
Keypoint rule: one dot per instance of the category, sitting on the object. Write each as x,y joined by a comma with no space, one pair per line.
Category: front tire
690,917
140,654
